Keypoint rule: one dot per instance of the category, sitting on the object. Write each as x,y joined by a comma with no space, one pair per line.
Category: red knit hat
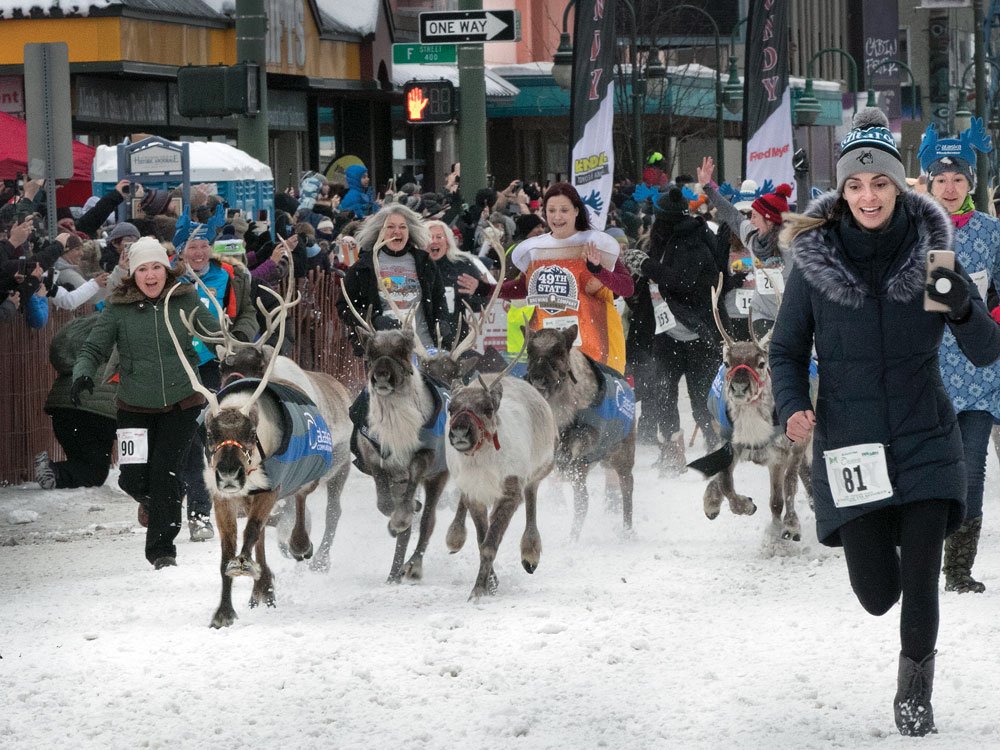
773,205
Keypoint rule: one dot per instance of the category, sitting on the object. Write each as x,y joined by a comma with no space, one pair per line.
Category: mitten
949,288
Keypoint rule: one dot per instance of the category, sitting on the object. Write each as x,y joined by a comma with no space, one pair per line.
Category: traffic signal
429,102
218,90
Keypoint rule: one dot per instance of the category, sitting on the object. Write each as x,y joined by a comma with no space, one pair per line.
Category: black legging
879,574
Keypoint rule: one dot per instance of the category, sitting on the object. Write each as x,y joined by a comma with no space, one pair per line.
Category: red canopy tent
14,161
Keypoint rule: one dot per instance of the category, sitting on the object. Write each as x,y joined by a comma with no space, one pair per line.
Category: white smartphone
938,259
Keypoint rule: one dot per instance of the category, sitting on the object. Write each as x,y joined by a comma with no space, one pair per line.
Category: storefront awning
496,86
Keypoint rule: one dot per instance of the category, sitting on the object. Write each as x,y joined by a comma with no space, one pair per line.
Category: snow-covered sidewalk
693,634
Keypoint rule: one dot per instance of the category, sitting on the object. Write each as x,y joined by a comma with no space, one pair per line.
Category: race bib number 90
133,445
858,474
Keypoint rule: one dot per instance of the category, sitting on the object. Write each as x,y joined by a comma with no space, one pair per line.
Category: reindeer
501,438
249,360
579,391
755,435
244,431
400,439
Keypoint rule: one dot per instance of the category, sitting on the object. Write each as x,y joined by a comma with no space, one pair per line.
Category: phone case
937,259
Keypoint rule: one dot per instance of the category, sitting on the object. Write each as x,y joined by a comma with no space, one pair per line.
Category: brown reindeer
240,359
244,432
755,435
501,436
576,388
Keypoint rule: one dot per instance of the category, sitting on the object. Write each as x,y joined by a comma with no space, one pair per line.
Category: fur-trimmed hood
825,268
128,293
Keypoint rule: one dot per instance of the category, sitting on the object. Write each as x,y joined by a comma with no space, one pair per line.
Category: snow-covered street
694,634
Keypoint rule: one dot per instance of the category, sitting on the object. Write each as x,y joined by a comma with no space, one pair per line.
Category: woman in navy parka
888,467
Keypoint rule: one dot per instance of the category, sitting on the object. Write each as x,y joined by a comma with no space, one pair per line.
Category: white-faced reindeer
594,409
244,433
501,436
755,435
400,441
240,359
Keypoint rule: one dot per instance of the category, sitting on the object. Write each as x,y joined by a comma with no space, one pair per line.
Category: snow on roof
351,16
55,8
210,162
495,84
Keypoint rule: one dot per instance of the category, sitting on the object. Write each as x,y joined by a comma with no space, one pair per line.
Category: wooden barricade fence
320,343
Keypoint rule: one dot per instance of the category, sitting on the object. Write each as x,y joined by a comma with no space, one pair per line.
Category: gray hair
370,230
452,253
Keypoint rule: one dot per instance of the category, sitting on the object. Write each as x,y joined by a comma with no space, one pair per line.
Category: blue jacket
878,352
357,199
611,414
971,388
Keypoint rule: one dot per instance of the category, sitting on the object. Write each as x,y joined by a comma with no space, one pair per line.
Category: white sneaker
43,471
201,528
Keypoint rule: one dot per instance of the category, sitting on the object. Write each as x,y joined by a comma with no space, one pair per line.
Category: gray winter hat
870,147
123,229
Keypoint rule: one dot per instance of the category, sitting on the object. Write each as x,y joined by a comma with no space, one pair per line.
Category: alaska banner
592,106
767,111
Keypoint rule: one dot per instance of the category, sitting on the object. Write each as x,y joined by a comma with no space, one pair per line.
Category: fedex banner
767,111
592,107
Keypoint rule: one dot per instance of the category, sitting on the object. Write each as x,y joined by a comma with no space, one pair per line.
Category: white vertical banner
594,161
769,148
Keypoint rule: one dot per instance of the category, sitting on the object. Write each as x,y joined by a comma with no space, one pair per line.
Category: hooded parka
878,355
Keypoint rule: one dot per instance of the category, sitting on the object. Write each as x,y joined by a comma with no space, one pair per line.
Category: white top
524,253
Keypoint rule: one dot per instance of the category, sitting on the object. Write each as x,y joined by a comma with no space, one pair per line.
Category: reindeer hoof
394,578
492,583
711,516
300,556
237,567
414,569
531,568
320,564
794,536
223,618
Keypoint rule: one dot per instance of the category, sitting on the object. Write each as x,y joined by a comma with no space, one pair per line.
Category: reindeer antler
213,402
716,293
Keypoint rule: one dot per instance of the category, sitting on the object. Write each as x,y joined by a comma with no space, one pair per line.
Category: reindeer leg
383,491
396,571
433,487
578,477
480,520
298,543
244,564
777,499
455,538
334,489
263,587
499,520
531,540
225,520
402,513
623,461
805,474
790,528
740,505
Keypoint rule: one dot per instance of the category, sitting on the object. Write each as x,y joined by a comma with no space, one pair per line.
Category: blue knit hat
939,155
870,147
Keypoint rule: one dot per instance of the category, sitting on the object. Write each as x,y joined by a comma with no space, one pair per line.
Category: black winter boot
912,706
959,555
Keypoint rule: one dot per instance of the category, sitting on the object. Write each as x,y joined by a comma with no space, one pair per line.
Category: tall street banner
767,110
592,106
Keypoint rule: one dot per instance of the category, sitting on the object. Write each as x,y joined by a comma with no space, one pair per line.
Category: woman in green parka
157,407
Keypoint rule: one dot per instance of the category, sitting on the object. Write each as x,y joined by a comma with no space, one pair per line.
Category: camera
126,189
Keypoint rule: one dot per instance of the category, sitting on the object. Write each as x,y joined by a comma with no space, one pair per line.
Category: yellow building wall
88,39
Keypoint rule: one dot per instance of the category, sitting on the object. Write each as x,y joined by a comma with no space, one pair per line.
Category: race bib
562,323
133,445
665,319
742,299
858,474
982,281
769,281
449,298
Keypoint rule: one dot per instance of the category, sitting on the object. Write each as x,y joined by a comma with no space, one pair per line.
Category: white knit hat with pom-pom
870,147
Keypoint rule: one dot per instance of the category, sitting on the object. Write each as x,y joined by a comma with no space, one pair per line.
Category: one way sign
439,27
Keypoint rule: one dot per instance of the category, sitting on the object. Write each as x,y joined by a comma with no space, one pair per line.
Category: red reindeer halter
243,450
731,372
483,432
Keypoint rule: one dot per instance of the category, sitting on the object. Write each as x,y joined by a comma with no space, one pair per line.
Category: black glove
956,297
81,384
633,258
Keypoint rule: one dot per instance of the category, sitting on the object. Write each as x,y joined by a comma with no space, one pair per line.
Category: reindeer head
746,366
230,443
247,362
388,357
472,416
549,369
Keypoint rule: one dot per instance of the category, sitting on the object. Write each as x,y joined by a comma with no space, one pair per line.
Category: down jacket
152,376
878,359
63,351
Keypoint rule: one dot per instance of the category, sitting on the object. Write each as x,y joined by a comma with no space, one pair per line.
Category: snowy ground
694,634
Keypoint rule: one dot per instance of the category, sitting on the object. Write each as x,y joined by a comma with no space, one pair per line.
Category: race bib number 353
858,474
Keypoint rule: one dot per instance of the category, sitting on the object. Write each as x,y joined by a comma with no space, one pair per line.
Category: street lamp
720,152
913,85
562,73
807,108
963,117
733,91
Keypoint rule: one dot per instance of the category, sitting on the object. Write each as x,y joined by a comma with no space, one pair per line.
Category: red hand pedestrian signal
416,102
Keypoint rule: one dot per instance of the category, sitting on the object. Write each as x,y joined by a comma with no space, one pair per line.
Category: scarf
961,217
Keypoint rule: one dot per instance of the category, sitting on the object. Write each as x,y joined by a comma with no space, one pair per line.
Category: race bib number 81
858,474
133,445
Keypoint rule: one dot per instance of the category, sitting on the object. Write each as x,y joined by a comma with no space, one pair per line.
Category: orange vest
558,283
